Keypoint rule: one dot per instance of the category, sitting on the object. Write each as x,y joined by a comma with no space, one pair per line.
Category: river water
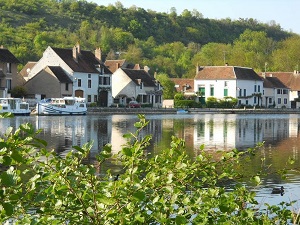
278,132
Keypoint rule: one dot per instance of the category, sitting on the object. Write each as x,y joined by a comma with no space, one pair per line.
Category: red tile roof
181,83
226,73
289,79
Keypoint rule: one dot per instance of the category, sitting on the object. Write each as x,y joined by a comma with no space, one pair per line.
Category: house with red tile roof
138,85
8,72
292,81
276,94
185,86
229,81
89,77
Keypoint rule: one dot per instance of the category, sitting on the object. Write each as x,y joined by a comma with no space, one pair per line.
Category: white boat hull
15,106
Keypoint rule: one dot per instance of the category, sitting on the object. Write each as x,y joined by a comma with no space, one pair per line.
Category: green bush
40,187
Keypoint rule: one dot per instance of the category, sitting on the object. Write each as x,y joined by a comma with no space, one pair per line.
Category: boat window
81,105
70,102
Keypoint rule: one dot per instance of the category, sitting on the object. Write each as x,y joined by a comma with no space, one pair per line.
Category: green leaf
9,209
127,151
17,156
139,195
9,177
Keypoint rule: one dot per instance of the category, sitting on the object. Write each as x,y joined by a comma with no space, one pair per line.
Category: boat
16,106
182,111
61,106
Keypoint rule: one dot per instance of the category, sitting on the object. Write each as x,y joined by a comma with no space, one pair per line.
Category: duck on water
278,191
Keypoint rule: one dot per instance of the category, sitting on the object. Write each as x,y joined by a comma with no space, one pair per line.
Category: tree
18,92
40,187
168,85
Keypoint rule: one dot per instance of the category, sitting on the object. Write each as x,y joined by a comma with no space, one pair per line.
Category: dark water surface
279,132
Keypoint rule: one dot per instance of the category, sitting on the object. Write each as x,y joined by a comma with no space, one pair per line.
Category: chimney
98,54
1,46
76,51
226,64
197,69
146,68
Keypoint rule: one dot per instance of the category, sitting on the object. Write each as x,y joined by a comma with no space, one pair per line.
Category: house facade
8,72
131,84
292,81
90,77
276,94
229,81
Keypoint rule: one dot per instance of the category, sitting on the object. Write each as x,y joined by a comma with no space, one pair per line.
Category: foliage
227,102
168,85
167,42
40,187
18,92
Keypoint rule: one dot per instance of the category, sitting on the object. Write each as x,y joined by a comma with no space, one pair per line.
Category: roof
181,83
136,75
113,65
226,73
26,69
273,82
87,61
7,56
60,74
289,79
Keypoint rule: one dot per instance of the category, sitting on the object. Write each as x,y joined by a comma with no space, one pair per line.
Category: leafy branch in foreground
40,187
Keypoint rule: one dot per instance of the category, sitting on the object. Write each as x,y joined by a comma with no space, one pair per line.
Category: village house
70,72
229,81
185,86
138,85
276,94
114,64
9,78
292,81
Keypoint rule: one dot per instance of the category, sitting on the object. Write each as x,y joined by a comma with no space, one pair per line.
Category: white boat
61,106
16,106
182,111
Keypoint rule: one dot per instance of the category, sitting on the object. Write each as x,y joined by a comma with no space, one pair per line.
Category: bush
40,187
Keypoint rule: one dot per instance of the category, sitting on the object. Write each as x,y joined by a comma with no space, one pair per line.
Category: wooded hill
166,42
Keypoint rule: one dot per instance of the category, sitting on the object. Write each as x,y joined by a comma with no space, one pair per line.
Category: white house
229,81
276,94
90,77
131,84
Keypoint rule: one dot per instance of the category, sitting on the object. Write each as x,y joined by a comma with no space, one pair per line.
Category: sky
283,12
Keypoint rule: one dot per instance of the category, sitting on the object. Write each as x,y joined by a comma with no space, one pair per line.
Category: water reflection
280,133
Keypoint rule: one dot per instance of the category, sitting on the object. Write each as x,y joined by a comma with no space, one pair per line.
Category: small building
9,78
131,84
185,86
229,81
292,81
276,94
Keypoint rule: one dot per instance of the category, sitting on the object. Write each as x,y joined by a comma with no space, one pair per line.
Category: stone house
229,81
9,78
132,84
88,75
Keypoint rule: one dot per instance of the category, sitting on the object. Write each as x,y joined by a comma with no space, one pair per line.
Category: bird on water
278,190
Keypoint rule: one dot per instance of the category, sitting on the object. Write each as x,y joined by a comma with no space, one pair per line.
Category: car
134,104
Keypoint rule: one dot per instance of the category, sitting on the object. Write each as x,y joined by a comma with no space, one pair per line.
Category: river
279,132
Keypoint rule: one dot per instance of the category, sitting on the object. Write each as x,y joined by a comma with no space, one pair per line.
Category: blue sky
283,12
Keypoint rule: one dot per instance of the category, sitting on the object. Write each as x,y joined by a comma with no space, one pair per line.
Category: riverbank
114,110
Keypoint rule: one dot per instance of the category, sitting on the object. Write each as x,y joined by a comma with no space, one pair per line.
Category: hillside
28,26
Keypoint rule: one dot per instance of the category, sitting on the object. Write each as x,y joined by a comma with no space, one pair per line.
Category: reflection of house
8,72
229,81
131,84
185,86
276,94
292,81
90,78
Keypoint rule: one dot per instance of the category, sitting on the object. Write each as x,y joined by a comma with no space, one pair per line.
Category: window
8,84
79,83
255,88
225,92
201,91
279,100
8,67
240,92
254,100
245,92
95,98
246,102
141,85
226,84
106,80
89,98
284,91
258,88
270,100
285,101
278,91
89,75
67,87
212,91
89,83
